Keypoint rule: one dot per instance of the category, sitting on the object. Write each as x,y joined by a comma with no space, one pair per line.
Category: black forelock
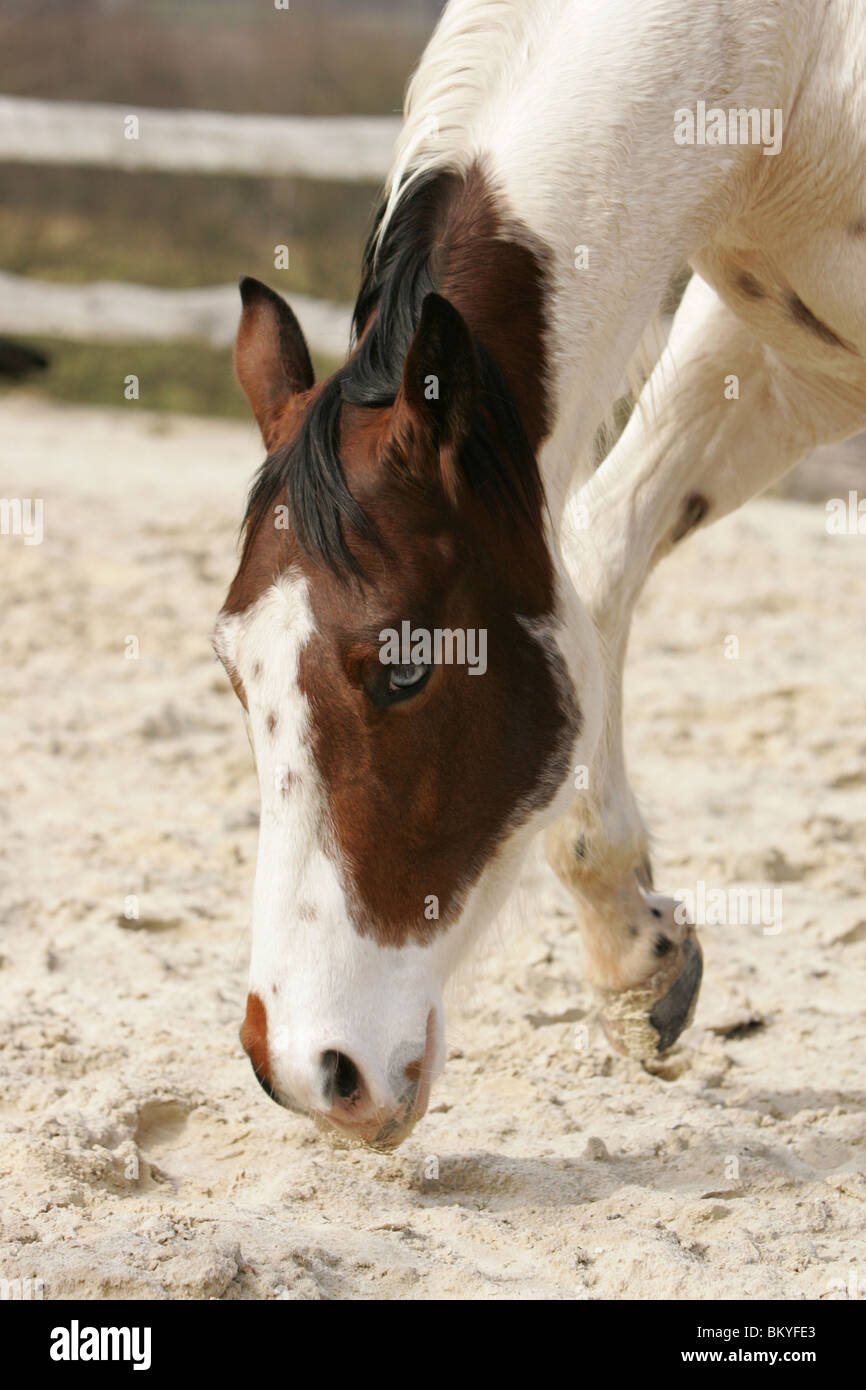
398,273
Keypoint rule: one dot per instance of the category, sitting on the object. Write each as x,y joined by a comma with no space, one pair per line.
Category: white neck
570,105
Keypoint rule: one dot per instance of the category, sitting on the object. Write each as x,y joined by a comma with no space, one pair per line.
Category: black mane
398,273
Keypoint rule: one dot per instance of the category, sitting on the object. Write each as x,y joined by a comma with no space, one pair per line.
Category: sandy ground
140,1159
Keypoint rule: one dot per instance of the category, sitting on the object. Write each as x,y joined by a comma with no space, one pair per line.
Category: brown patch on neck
497,274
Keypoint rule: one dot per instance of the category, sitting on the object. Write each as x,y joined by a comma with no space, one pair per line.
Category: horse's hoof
646,1021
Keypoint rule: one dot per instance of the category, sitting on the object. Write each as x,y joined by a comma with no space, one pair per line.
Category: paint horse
560,161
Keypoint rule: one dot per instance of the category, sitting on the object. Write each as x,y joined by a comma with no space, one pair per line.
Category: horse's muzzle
334,1091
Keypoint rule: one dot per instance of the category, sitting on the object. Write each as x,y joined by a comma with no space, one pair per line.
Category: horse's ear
438,396
272,361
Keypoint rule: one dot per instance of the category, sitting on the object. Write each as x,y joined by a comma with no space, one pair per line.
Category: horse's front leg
640,953
691,453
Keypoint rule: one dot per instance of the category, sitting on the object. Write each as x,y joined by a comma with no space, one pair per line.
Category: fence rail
108,311
344,148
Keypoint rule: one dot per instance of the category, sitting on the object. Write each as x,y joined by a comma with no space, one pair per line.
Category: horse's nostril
342,1078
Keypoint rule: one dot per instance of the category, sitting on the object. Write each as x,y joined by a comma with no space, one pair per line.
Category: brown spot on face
271,722
308,912
803,315
288,780
447,774
257,671
858,228
748,285
694,509
254,1040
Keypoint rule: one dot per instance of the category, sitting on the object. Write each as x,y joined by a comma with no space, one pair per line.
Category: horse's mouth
383,1133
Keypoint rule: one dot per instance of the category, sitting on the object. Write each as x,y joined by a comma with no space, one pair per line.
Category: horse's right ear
434,406
272,361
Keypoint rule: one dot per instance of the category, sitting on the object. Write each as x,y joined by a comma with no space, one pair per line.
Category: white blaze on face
324,987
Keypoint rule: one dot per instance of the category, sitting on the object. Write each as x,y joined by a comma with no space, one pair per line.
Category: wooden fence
342,148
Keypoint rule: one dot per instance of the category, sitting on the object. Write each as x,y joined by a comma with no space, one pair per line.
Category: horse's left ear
272,362
438,395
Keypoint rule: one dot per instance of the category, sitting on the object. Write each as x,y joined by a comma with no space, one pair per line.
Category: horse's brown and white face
396,795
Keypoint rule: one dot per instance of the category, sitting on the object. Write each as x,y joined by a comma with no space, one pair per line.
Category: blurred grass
181,376
175,231
182,230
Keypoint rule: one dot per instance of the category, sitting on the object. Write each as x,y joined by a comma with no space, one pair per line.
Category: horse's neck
570,105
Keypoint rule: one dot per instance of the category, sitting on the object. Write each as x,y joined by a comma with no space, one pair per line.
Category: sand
139,1159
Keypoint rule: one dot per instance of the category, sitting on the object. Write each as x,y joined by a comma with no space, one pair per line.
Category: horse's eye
405,677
